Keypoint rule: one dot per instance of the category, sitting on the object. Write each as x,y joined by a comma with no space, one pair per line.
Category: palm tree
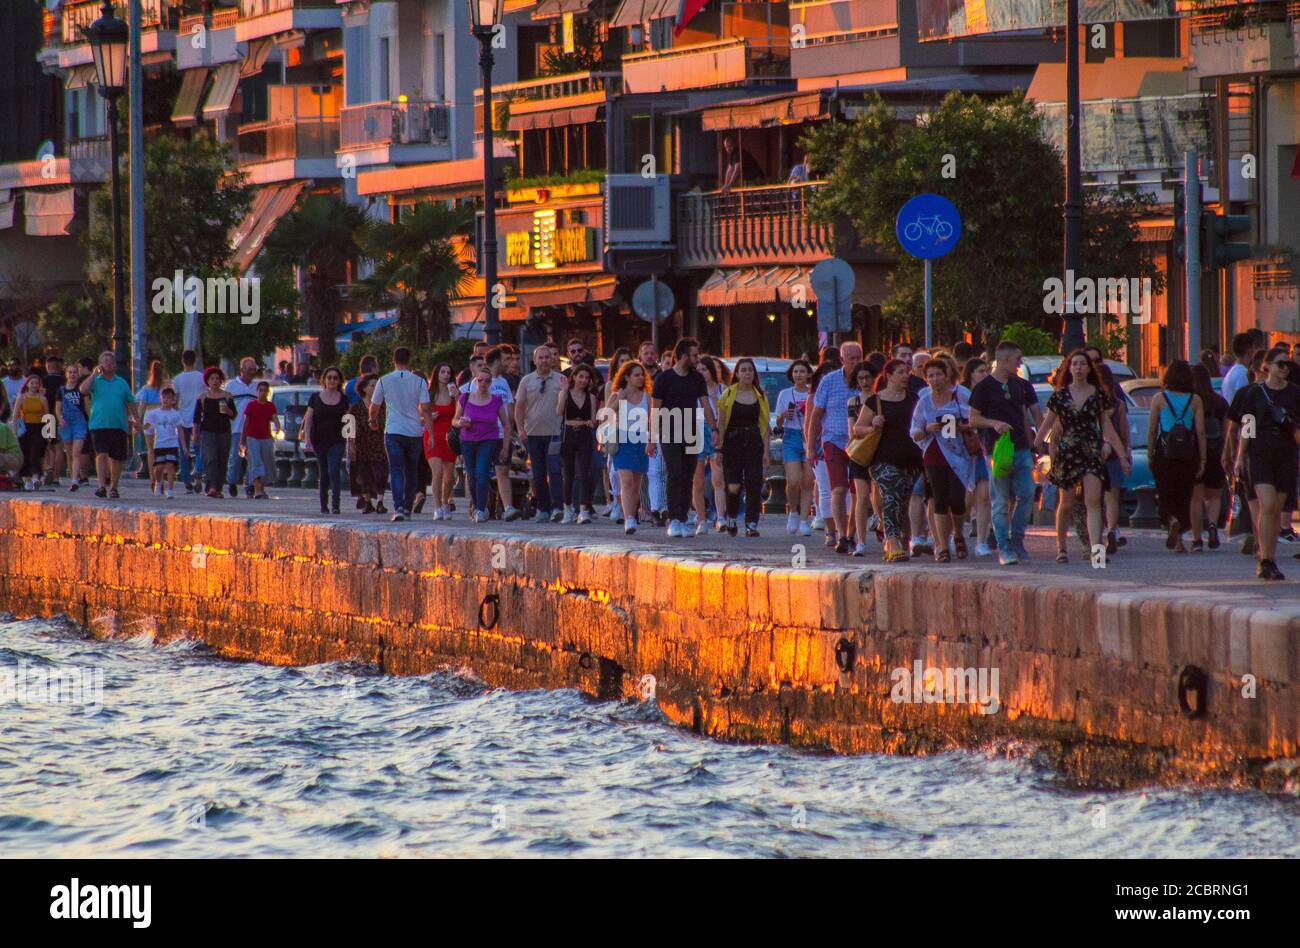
321,238
417,259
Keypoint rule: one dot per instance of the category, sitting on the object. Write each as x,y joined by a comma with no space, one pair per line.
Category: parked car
1039,369
1141,391
290,406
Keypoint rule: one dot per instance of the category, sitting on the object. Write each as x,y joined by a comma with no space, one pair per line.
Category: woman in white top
715,380
790,414
627,429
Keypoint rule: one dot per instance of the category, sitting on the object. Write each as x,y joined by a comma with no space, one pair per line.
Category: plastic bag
1004,455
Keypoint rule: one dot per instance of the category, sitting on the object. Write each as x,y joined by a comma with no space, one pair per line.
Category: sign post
833,281
653,301
927,227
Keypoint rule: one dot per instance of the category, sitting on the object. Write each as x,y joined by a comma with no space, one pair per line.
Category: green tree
416,261
77,323
194,196
1111,250
991,160
322,238
1032,340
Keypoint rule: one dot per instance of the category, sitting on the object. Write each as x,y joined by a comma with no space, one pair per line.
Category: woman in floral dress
1082,439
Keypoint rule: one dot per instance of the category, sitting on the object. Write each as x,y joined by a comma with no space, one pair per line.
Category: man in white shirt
540,427
243,388
496,363
1238,377
406,420
188,385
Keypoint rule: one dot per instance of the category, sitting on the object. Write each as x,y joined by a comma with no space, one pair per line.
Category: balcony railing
248,9
281,139
221,20
1271,278
153,14
395,123
750,226
90,148
726,62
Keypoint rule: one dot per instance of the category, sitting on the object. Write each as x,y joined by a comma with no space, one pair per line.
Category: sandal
1062,556
897,556
943,556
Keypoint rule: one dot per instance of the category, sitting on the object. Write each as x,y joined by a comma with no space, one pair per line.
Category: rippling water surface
192,755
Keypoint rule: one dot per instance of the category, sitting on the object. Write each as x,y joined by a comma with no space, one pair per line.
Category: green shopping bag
1004,455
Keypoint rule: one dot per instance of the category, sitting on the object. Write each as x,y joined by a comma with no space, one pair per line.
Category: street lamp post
108,37
485,19
1072,337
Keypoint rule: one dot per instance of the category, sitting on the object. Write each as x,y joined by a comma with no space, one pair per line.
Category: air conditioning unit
637,211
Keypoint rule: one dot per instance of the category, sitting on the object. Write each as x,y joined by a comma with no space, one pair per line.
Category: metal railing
767,224
223,19
248,9
153,14
410,122
555,87
723,62
280,139
88,148
1272,278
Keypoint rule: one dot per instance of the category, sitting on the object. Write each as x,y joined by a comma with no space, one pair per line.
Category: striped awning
549,9
556,118
79,77
595,289
765,111
255,58
736,286
224,83
635,12
193,82
269,205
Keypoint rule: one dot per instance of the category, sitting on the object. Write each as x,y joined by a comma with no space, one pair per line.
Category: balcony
298,139
868,50
1243,40
546,94
1272,295
727,62
389,132
159,20
219,46
750,227
262,18
1146,134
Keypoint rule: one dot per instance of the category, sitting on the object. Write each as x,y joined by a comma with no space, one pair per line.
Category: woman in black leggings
576,404
743,429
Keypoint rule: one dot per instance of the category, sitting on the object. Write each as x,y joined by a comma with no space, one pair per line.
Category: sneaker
818,523
982,549
751,529
691,519
792,523
859,550
510,513
542,516
1197,546
1007,558
437,514
170,494
1288,535
629,526
482,516
584,517
615,513
1021,553
568,517
702,528
234,490
674,528
1213,542
473,515
556,515
804,529
721,525
398,516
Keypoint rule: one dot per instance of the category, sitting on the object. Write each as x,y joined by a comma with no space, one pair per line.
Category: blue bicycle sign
928,226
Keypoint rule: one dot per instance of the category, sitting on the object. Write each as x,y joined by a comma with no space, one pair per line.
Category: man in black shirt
674,429
1260,447
1004,402
54,381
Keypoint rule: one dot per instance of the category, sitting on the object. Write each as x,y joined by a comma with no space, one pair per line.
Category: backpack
1179,442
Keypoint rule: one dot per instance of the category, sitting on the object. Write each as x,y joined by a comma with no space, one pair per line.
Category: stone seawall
1088,673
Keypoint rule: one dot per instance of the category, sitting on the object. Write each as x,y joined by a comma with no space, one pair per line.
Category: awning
549,9
556,118
187,100
636,12
224,83
269,205
79,77
470,311
49,213
595,289
255,58
733,287
765,111
366,325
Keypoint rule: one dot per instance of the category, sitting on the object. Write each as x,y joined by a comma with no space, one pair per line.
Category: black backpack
1179,442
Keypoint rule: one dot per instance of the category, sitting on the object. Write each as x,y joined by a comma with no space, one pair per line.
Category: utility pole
1192,252
1072,336
139,317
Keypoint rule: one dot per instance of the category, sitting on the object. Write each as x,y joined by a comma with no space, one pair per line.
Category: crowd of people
923,450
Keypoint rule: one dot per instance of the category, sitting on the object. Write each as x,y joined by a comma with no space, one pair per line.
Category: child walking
165,438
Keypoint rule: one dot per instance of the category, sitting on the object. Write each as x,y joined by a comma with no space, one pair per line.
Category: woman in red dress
442,462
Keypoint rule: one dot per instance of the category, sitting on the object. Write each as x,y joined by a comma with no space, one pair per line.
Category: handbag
453,433
970,439
862,450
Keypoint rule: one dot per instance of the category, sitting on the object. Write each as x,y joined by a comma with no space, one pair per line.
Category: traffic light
1180,224
1219,251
